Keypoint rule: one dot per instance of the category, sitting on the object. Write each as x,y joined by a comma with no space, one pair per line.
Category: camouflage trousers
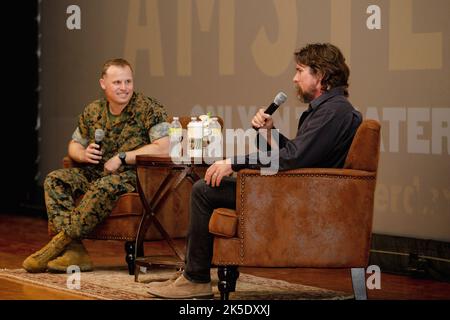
62,187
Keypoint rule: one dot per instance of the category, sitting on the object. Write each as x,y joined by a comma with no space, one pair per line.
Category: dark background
19,190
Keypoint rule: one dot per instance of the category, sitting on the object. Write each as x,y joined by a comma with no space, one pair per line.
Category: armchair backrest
365,149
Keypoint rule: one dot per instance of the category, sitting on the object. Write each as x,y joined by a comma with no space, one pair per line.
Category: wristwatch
122,157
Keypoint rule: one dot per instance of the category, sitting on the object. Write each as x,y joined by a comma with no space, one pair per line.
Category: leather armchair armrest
223,222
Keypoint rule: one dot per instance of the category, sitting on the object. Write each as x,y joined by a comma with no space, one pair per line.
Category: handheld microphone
280,98
99,135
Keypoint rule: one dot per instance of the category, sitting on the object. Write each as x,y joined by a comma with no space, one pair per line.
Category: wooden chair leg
228,276
130,256
359,283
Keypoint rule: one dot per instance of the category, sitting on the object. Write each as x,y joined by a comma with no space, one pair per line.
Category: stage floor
22,235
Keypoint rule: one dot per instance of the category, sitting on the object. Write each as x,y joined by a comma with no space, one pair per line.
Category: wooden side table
157,179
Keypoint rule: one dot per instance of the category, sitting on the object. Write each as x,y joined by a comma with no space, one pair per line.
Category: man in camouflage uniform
133,124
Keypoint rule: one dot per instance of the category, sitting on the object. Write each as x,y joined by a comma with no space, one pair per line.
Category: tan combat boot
37,262
75,254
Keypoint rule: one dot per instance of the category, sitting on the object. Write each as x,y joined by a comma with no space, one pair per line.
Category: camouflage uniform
141,122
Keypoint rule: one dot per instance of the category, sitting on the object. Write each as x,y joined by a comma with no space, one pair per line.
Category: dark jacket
325,133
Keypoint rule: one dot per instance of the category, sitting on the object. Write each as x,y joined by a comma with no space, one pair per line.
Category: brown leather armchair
320,218
124,220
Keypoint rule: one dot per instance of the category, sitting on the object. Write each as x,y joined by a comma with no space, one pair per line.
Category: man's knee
198,188
52,177
113,185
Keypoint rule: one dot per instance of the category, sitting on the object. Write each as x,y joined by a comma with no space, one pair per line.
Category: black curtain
19,105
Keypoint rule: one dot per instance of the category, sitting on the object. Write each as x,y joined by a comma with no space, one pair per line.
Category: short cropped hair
115,62
328,60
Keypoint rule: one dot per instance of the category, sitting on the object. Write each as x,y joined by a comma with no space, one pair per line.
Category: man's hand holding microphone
94,149
262,120
93,153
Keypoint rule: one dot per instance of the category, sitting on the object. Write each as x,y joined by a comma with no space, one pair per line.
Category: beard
304,96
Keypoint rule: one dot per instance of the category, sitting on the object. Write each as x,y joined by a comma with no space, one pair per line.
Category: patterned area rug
116,284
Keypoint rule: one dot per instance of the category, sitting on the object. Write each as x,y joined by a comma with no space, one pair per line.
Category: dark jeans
204,199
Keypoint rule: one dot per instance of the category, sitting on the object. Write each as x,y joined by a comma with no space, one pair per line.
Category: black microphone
280,98
99,135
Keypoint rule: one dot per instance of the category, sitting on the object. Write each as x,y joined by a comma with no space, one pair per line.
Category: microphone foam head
280,98
99,134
